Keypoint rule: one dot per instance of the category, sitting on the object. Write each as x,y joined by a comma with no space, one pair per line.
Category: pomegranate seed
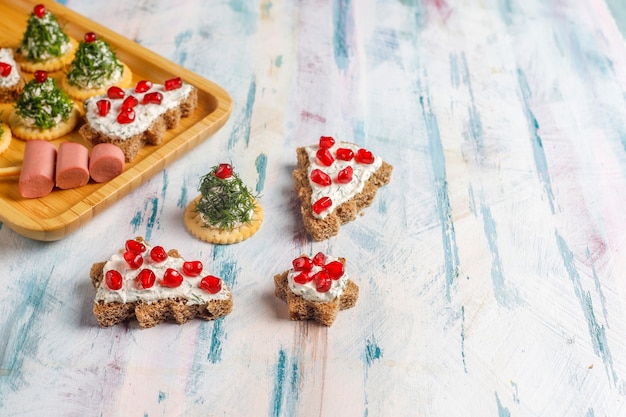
334,269
302,278
345,175
322,204
115,92
133,259
364,156
154,97
172,278
322,281
344,154
326,141
127,115
103,107
319,259
129,102
224,171
5,69
211,284
113,279
90,37
303,263
135,246
192,268
39,10
143,86
325,157
41,76
173,84
320,177
145,278
158,254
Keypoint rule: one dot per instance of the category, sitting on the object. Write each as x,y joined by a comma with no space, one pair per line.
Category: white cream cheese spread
6,56
308,290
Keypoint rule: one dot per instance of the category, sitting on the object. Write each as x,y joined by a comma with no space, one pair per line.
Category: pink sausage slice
37,176
106,163
72,165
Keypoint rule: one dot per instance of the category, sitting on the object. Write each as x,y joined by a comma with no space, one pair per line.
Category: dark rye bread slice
12,93
323,312
151,136
322,229
151,314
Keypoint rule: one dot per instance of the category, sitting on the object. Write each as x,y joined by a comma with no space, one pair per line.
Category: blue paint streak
278,62
136,220
537,145
152,218
341,9
162,397
279,382
502,411
515,392
448,235
261,164
590,413
241,128
182,201
215,351
506,11
181,53
597,332
596,281
373,352
463,339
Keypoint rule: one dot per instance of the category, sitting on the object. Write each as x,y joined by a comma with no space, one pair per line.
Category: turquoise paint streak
597,332
180,55
372,352
590,413
505,8
226,272
182,201
448,235
285,391
341,20
152,219
596,281
241,128
261,165
539,155
502,410
463,339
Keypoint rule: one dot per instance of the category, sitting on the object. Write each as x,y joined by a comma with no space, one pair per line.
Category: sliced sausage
72,169
106,162
37,176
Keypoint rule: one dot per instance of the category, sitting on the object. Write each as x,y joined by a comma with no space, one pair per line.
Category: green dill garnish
43,104
94,65
224,203
43,38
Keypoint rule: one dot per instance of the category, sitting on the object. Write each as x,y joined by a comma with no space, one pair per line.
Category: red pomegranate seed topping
334,269
319,259
154,97
135,246
113,279
224,171
320,177
326,141
211,284
115,92
325,157
5,69
192,268
90,37
39,10
303,263
302,278
145,278
143,86
41,76
133,259
322,281
103,107
344,154
364,156
129,102
158,254
172,278
322,204
173,84
345,175
127,115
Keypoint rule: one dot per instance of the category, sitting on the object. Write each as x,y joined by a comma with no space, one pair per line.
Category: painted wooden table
492,268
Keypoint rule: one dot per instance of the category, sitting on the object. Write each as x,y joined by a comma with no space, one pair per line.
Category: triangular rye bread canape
11,81
335,181
153,285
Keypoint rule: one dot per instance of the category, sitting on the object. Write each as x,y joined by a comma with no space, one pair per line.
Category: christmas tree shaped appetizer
94,69
44,46
225,211
43,110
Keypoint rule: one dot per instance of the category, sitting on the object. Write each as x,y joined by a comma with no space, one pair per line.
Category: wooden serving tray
63,211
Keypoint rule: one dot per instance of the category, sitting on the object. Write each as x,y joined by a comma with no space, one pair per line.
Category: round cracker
25,132
84,93
50,64
5,138
197,227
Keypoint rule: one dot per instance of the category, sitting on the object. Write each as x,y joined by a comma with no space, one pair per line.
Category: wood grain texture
490,269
